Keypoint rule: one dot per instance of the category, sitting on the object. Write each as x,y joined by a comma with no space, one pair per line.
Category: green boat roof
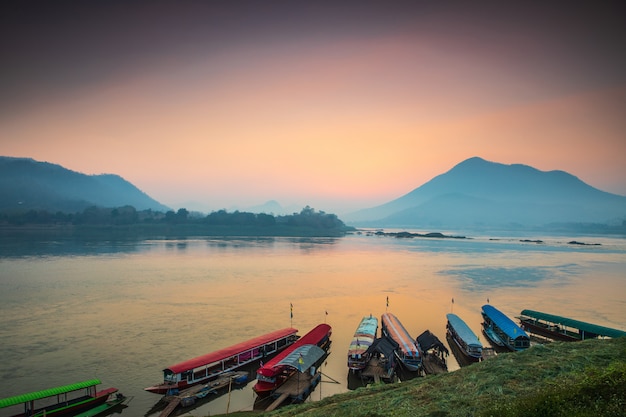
576,324
50,392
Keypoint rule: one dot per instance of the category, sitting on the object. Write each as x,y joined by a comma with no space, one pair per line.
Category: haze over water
123,311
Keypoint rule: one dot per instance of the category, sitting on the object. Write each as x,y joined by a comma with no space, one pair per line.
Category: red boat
207,367
272,374
70,400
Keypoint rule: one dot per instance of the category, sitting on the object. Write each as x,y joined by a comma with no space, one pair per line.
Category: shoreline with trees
129,221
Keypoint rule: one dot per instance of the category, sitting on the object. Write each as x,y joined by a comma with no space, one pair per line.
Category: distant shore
171,230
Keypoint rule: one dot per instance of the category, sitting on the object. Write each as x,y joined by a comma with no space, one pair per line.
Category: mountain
481,193
26,184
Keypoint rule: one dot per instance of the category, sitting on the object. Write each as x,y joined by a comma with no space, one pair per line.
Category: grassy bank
558,379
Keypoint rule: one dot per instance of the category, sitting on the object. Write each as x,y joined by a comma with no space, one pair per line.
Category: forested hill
26,184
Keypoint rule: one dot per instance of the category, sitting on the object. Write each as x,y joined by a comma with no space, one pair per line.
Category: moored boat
502,330
363,338
464,337
205,368
70,400
277,370
408,351
563,328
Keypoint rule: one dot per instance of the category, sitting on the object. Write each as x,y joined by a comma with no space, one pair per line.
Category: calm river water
72,310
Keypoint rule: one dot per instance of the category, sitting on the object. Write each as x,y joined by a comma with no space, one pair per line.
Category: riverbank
569,379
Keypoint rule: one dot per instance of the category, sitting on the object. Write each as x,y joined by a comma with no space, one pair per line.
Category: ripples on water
121,311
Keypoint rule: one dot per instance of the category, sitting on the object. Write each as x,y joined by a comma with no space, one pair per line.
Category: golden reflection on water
124,316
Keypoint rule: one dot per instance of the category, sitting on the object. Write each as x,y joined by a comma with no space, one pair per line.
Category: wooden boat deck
296,386
170,407
375,369
433,365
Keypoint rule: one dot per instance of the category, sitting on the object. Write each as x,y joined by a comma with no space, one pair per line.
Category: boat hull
546,332
472,357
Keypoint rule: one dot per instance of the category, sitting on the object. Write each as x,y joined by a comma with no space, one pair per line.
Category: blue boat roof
463,330
368,326
505,324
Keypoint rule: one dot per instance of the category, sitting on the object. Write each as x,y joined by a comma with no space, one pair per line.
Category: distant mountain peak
477,191
27,184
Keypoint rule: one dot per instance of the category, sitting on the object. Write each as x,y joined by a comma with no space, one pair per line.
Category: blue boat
503,331
464,337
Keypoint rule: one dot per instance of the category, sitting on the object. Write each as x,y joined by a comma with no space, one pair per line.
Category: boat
205,368
105,408
382,361
276,371
434,353
408,351
563,328
464,338
502,331
363,338
69,400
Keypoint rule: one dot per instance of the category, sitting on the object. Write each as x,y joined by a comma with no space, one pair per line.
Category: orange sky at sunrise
210,105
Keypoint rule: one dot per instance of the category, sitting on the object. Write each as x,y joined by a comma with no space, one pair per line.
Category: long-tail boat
277,370
363,338
210,366
464,337
408,351
502,330
70,400
563,328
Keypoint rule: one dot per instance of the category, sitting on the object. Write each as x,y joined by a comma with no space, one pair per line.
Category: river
121,311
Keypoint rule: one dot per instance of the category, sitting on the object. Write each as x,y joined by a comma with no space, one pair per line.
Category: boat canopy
368,326
384,346
576,324
427,341
504,323
398,333
38,395
462,330
231,351
303,357
316,335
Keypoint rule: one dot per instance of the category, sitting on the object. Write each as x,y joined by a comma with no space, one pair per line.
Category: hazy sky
338,106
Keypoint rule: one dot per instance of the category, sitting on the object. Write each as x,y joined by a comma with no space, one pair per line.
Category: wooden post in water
230,384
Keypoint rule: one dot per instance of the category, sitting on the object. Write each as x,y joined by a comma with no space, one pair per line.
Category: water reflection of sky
482,278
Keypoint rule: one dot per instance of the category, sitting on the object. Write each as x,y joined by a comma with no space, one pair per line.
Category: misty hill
479,193
26,184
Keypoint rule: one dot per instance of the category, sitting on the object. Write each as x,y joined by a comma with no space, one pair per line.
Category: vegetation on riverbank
98,221
557,379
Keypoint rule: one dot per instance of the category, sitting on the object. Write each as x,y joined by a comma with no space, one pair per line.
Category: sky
345,105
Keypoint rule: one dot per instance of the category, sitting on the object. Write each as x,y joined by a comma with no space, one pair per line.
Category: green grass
557,379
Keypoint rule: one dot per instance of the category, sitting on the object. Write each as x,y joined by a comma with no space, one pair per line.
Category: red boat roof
317,334
230,351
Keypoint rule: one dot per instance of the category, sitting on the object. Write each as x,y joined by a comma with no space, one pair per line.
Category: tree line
128,215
